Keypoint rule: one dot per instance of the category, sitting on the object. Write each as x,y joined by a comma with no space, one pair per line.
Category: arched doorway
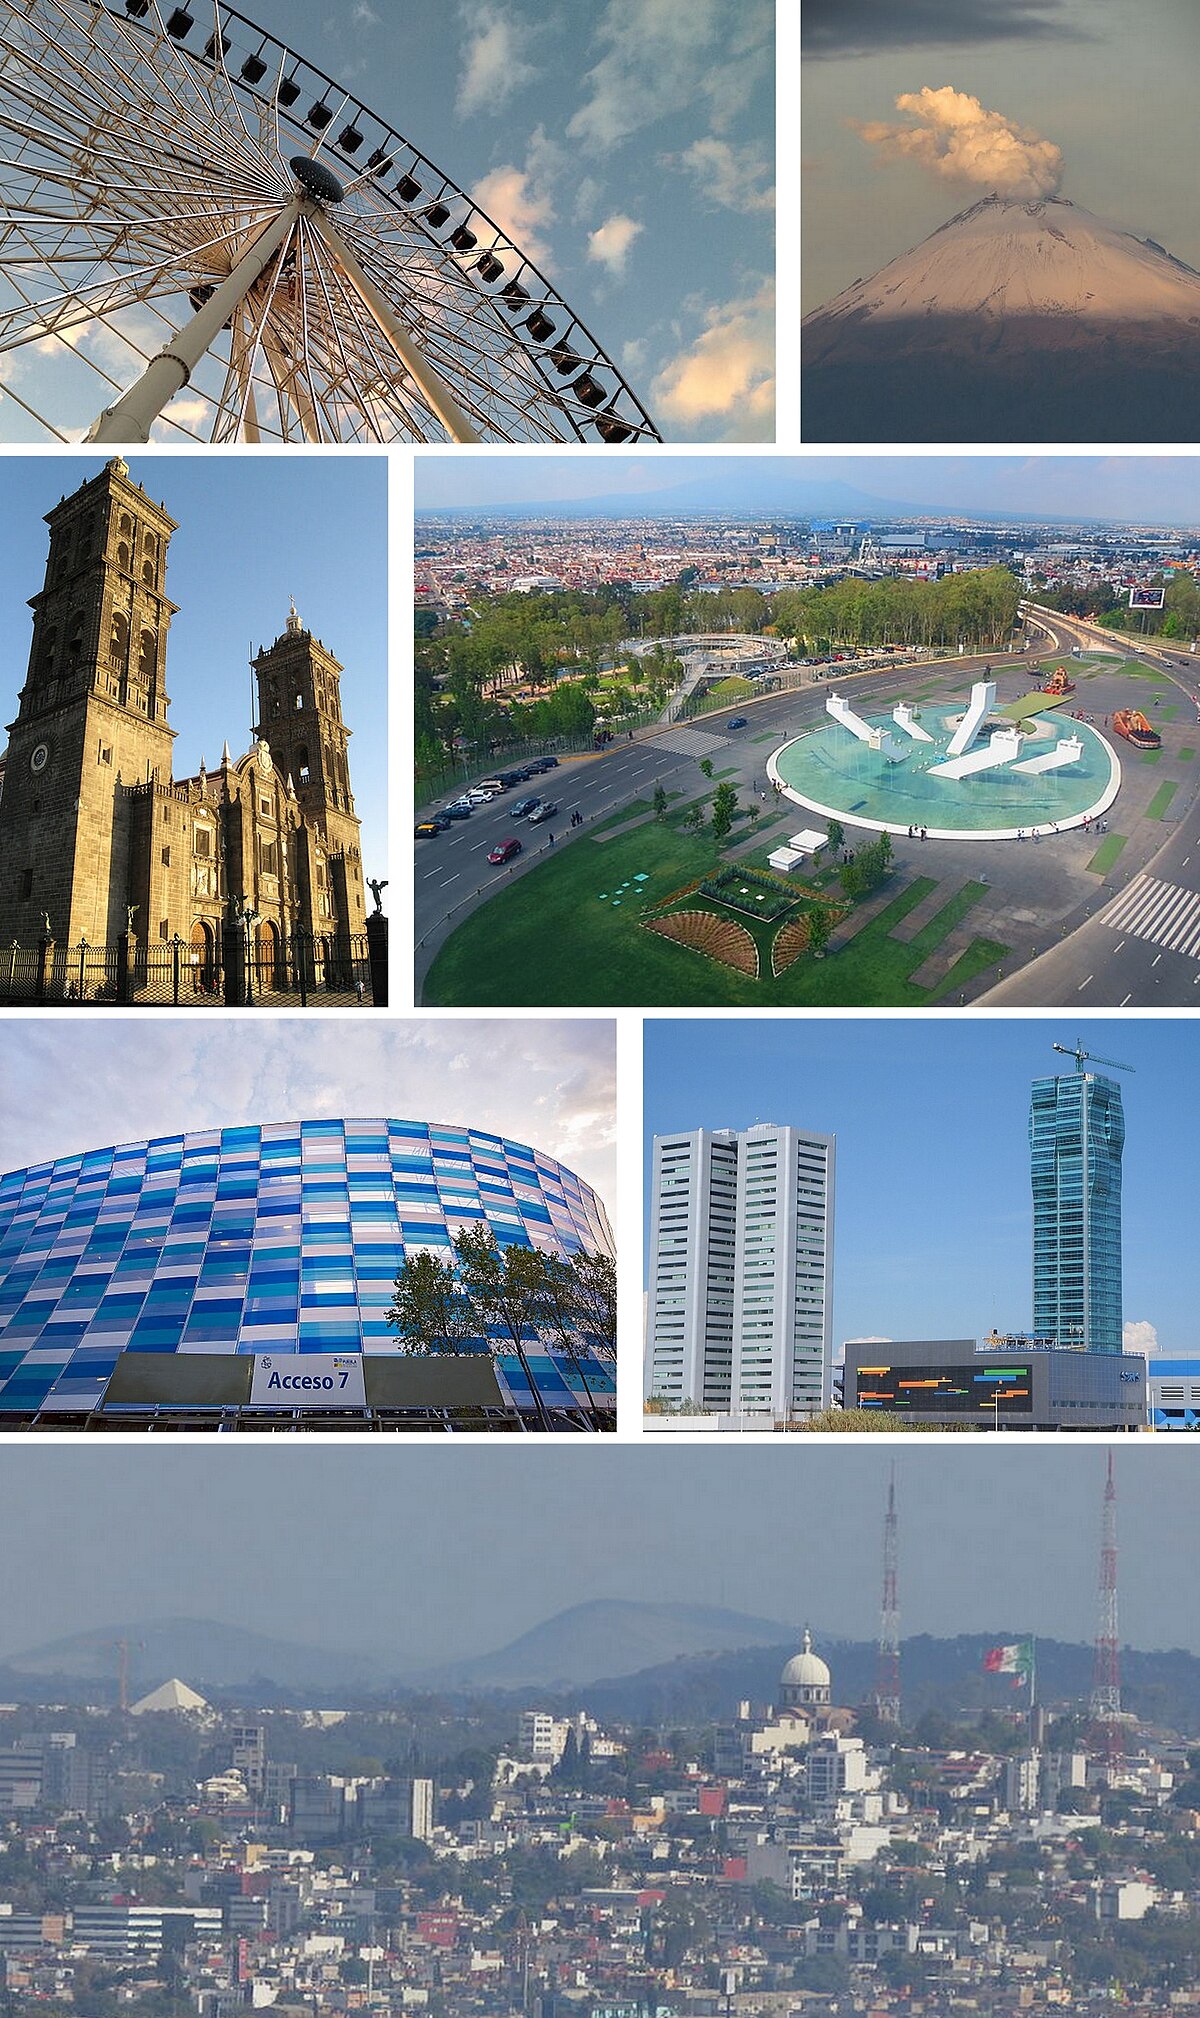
268,950
202,958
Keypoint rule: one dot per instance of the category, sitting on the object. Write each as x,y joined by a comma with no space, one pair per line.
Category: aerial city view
783,733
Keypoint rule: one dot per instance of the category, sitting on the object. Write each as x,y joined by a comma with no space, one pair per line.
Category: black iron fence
231,969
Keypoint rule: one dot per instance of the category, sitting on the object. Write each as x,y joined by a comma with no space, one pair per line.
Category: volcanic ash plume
960,140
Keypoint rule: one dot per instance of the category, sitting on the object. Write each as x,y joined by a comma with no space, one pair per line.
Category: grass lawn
1161,800
546,939
1185,756
1107,853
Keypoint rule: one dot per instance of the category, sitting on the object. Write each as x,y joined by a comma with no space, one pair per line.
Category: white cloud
663,55
521,200
494,62
364,16
610,242
726,374
62,1089
959,140
872,1338
733,178
1139,1335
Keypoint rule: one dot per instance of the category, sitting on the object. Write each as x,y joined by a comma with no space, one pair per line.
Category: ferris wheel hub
316,180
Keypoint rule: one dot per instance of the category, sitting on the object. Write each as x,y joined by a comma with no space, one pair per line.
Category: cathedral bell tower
300,716
91,724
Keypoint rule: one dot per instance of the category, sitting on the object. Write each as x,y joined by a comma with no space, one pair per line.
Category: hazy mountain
201,1653
936,1674
1014,321
609,1637
748,489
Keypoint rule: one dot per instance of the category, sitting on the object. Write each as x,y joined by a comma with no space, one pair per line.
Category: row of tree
1103,604
488,1298
976,610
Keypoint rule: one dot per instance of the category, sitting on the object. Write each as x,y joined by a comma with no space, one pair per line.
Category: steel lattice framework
1106,1686
188,195
887,1685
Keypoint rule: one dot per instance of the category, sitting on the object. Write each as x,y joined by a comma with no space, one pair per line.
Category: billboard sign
307,1380
1147,599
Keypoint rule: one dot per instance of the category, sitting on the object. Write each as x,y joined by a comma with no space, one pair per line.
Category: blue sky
628,148
933,1227
1159,489
996,1539
629,141
66,1084
1109,84
254,530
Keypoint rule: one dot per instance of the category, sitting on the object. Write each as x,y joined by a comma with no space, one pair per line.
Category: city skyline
934,1211
305,1547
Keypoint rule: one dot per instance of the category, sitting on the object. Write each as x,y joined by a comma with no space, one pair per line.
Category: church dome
805,1679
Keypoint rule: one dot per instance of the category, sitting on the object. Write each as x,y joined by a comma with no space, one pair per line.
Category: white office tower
740,1319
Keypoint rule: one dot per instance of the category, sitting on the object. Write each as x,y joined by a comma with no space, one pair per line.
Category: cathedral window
123,557
147,655
302,763
299,702
27,883
166,858
105,756
148,573
203,843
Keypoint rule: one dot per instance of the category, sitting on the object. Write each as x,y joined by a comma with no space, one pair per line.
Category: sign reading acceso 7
293,1379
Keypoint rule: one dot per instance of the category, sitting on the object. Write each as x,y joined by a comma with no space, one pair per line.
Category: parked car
738,722
545,811
482,796
457,811
524,806
504,850
427,830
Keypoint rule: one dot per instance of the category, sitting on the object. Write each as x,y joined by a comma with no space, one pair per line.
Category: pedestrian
550,839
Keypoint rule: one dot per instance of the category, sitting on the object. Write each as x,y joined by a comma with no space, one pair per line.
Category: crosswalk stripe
1165,914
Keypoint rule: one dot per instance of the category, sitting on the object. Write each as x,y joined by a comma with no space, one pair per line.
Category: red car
504,850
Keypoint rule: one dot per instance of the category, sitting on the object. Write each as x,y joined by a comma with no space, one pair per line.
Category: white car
481,797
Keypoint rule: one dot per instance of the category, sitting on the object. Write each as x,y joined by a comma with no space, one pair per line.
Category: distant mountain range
609,1637
752,491
637,1662
202,1653
1015,321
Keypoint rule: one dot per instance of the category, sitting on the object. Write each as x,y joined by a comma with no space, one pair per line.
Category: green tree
724,806
706,765
835,836
506,1289
660,801
820,925
428,1311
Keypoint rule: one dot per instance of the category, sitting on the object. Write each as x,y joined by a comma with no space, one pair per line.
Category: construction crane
1077,1052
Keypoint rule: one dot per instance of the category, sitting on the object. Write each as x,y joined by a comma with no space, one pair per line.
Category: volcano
1016,321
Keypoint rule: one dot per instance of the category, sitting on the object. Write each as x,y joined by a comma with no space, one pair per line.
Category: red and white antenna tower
887,1684
1106,1683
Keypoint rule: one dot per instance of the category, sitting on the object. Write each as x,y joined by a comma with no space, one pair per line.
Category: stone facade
96,835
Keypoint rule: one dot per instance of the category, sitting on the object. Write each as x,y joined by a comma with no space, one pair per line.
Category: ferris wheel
192,213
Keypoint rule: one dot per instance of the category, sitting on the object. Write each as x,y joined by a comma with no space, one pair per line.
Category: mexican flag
1014,1659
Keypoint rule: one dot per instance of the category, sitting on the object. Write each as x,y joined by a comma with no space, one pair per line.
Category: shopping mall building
241,1278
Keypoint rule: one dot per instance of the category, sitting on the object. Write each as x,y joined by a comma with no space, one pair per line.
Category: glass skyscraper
1076,1135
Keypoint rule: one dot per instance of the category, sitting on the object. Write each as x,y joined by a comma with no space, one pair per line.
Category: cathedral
97,836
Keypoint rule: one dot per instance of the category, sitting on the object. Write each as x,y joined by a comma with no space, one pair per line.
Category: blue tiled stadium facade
256,1239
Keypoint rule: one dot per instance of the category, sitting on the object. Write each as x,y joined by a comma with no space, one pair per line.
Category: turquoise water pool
831,772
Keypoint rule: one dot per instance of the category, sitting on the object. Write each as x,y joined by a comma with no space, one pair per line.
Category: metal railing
299,969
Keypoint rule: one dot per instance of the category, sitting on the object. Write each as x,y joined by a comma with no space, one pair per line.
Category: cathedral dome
805,1679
